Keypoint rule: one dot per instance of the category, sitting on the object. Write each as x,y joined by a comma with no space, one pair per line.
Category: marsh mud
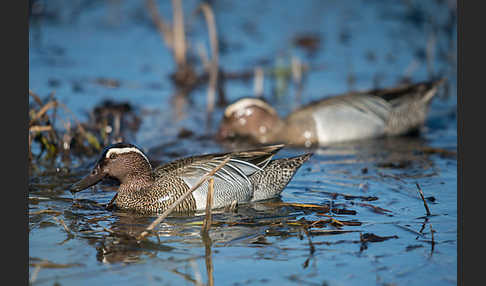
352,215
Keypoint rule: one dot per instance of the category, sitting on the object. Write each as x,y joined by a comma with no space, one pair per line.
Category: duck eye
112,155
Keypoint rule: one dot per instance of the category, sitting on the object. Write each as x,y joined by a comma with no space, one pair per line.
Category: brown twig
209,205
180,199
111,204
427,210
42,111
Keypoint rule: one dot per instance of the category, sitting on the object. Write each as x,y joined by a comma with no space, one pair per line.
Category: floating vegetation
109,122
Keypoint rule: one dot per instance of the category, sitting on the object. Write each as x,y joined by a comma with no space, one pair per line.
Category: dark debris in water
308,42
371,237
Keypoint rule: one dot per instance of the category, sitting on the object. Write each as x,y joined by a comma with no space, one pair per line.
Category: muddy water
380,233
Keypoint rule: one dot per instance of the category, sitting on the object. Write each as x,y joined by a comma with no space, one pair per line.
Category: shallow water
362,45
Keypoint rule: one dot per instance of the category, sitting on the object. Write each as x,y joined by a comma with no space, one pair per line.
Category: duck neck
136,182
275,132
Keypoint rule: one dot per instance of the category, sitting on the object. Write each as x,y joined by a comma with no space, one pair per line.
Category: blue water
362,45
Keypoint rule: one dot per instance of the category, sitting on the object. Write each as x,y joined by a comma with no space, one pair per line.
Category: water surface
361,45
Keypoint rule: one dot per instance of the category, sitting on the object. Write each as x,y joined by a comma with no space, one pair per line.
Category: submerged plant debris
159,73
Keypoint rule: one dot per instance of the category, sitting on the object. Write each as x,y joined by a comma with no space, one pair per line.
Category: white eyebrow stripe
126,150
246,102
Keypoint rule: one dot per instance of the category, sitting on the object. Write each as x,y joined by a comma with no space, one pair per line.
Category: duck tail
432,90
271,181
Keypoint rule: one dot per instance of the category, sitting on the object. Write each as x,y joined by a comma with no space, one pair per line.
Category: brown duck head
251,118
122,161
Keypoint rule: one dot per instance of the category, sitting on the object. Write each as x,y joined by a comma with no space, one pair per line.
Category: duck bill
88,181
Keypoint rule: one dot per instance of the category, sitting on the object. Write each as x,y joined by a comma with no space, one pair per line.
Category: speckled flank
147,200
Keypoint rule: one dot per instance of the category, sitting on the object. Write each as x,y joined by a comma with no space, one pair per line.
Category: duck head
122,161
251,118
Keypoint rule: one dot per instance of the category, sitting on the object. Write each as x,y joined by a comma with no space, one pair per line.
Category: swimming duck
248,176
346,117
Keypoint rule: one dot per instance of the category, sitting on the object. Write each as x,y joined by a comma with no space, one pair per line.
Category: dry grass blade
299,205
45,212
179,200
209,205
38,128
332,220
427,210
66,228
375,209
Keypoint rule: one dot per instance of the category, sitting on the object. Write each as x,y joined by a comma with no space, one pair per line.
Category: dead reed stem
209,205
214,64
178,33
179,200
203,56
427,210
208,259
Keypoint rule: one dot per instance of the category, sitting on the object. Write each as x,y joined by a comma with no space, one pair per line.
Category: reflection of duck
354,116
248,176
246,226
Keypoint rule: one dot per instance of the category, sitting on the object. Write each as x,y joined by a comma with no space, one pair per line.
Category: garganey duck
248,176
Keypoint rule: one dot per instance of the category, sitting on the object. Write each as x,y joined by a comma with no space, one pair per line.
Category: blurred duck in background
353,116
